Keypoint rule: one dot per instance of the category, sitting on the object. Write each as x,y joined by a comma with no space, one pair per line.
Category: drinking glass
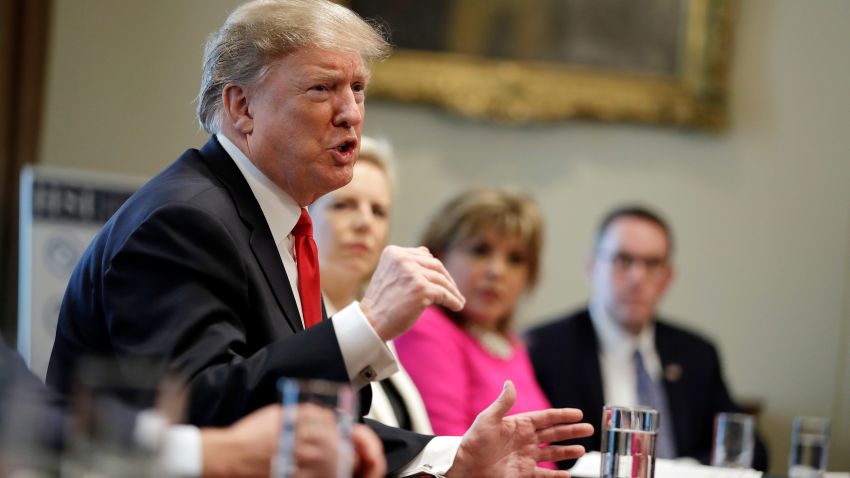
120,413
628,442
734,440
317,414
809,447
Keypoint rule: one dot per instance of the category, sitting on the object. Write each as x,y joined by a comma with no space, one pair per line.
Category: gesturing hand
406,281
497,446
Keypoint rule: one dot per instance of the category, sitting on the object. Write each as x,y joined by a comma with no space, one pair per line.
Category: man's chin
634,322
328,185
341,176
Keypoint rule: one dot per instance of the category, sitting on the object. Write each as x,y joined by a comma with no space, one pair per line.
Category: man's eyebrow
329,75
365,76
332,73
322,74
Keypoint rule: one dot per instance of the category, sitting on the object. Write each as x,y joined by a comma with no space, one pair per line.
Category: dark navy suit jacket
186,273
565,355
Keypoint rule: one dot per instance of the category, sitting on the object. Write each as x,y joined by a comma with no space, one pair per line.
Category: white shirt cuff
367,358
181,454
179,445
435,459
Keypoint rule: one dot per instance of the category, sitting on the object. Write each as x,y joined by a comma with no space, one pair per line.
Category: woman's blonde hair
379,151
475,211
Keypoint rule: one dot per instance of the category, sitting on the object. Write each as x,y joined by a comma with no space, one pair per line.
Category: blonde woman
351,228
490,242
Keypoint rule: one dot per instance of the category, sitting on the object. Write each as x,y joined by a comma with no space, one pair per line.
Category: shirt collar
615,340
280,210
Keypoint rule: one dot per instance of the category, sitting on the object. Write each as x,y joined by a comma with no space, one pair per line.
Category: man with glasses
617,351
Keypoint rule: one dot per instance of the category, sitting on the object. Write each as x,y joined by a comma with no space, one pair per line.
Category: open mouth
346,146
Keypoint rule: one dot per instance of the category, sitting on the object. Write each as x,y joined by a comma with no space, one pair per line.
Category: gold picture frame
517,90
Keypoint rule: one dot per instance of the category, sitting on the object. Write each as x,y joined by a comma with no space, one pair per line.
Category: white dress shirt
616,357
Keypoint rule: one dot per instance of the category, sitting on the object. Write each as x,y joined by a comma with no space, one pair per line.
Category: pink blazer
457,378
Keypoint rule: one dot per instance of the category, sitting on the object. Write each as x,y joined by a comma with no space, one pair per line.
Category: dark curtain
24,26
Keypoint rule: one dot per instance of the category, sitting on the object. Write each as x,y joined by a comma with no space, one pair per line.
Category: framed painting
652,61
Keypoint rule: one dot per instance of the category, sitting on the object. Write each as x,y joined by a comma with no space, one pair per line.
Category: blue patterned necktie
651,394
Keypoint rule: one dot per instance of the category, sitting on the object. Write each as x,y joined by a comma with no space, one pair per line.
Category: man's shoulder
193,171
183,194
572,320
182,179
682,337
186,181
572,325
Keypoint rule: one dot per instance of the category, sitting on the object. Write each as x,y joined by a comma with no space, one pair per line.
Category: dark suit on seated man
210,268
621,354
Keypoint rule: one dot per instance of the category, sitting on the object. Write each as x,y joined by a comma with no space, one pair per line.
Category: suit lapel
261,240
672,372
592,373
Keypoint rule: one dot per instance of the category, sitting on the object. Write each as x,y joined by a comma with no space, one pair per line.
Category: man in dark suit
618,352
208,268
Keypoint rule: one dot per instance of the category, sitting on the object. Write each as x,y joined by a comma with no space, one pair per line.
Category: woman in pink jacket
490,242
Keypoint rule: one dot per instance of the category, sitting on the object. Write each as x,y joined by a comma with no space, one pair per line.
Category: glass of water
734,440
809,447
628,442
318,416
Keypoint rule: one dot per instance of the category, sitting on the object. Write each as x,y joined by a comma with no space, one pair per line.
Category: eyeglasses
623,262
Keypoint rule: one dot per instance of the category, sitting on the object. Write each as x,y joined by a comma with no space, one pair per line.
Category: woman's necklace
493,342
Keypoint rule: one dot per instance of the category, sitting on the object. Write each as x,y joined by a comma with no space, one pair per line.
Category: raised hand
497,446
406,281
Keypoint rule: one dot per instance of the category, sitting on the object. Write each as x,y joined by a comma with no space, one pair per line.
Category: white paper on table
836,474
588,467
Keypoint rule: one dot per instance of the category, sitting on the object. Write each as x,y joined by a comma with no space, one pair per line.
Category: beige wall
761,213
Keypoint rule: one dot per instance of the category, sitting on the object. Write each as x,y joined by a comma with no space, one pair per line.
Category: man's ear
669,275
589,264
235,101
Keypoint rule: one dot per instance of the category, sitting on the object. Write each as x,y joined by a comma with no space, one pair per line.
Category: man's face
630,271
307,115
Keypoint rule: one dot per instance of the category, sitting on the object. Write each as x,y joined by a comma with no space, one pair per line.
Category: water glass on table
629,436
734,440
318,416
809,447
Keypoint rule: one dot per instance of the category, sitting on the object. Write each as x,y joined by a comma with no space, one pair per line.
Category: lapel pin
673,372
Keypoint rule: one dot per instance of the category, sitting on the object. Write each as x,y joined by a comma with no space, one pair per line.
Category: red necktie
307,259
